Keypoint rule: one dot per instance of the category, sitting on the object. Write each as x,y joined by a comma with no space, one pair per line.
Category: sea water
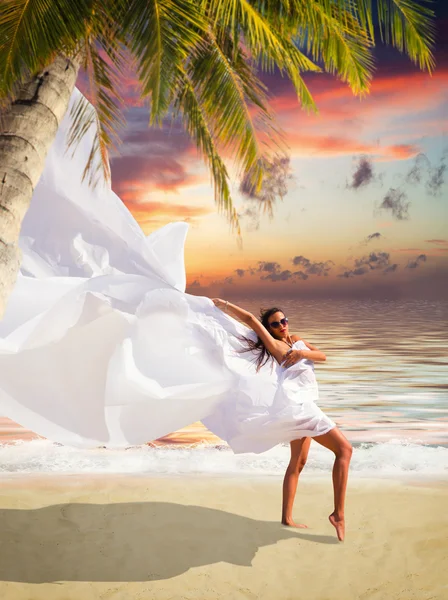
385,383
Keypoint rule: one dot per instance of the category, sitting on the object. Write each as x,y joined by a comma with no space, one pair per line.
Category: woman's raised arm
241,314
251,321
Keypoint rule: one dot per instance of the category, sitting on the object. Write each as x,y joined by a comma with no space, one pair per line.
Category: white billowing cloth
100,344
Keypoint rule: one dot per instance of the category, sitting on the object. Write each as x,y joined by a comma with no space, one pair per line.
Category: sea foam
388,459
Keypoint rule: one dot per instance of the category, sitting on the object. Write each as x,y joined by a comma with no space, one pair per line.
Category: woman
275,343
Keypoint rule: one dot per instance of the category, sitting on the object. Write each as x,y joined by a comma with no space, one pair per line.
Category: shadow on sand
129,541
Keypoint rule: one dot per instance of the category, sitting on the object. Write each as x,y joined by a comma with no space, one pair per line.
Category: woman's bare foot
339,524
290,523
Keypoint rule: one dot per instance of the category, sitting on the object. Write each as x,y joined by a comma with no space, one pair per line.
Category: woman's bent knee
297,466
346,451
300,465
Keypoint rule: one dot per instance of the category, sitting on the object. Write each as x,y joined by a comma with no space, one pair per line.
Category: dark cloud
278,173
319,268
372,262
132,175
438,242
228,280
373,236
313,268
396,202
194,284
418,170
375,260
281,276
413,264
152,158
354,272
361,269
350,273
269,267
301,275
252,216
272,271
390,269
363,174
301,260
155,141
421,283
436,178
253,270
422,169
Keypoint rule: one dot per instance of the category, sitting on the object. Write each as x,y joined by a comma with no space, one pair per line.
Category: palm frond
221,91
260,28
267,46
294,65
256,94
259,35
84,116
32,32
362,10
162,35
408,26
104,63
331,32
196,124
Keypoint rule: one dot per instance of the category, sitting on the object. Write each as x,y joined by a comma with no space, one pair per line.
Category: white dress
271,406
100,344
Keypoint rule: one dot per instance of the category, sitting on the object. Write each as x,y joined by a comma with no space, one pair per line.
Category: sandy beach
113,538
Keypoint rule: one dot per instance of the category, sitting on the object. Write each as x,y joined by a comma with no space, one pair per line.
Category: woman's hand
291,357
219,303
235,311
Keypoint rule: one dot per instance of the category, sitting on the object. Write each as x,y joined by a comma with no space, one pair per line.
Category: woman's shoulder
298,341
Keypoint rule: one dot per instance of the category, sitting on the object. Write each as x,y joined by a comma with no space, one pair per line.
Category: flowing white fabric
100,344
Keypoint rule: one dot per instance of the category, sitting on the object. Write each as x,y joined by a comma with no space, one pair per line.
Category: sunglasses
276,324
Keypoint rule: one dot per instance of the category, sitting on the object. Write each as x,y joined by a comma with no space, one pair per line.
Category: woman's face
276,327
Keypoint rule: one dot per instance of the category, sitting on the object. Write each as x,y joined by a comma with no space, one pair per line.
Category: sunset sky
366,213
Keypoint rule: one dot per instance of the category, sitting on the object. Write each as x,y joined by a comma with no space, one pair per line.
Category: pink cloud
156,214
385,124
324,146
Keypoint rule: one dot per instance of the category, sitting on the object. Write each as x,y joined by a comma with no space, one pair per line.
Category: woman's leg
335,441
299,454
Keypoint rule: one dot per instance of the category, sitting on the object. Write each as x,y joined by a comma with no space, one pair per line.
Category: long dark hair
263,354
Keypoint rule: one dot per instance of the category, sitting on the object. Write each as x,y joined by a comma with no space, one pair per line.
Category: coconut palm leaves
162,36
197,124
405,24
104,66
200,60
32,32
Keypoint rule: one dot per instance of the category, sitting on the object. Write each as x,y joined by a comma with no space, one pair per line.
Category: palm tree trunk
27,130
